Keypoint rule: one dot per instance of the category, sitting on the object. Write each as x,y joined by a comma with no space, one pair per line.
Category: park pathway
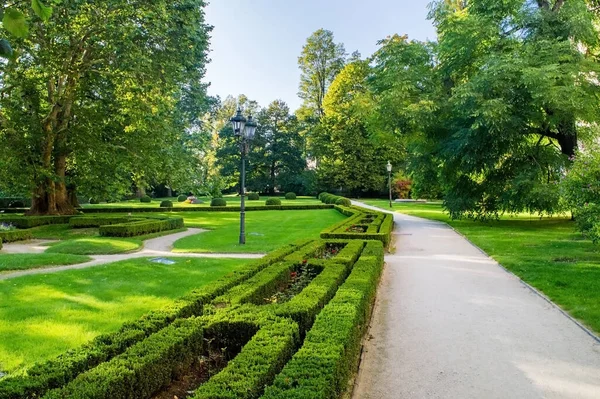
449,322
155,247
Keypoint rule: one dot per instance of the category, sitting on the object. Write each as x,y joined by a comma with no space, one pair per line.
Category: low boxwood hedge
97,221
331,349
145,199
166,204
182,198
218,202
57,372
379,225
141,227
253,197
15,235
290,196
27,222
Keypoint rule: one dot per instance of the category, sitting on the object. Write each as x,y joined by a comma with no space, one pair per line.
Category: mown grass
547,253
231,201
265,230
41,316
95,246
12,262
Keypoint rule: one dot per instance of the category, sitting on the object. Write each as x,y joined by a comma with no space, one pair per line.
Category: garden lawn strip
10,262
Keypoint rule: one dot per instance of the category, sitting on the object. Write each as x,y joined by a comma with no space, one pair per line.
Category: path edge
530,287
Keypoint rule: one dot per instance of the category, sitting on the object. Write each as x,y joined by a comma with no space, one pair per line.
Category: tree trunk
567,137
272,175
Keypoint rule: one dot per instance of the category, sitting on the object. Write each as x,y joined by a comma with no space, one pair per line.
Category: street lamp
244,131
389,169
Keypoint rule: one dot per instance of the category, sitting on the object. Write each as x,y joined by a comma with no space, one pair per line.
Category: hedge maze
287,326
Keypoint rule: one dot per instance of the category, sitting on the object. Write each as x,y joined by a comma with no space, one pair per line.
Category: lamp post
244,131
389,169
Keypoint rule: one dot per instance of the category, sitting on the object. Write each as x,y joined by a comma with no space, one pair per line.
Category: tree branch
558,5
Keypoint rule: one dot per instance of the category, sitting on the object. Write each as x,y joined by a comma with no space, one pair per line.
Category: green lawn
95,246
231,201
265,230
33,261
43,315
549,254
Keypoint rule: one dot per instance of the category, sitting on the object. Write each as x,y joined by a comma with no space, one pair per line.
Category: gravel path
155,247
449,322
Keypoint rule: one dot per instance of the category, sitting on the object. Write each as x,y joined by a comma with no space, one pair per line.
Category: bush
218,202
94,201
146,199
343,201
273,202
141,227
15,235
581,190
253,196
27,222
290,196
17,204
182,198
166,204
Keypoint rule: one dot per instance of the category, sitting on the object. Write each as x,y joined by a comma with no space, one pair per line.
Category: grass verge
12,262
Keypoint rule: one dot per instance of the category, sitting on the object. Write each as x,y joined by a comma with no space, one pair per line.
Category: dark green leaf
5,49
14,21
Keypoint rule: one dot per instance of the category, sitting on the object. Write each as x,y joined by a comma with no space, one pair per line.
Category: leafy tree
353,158
97,93
519,92
321,60
15,22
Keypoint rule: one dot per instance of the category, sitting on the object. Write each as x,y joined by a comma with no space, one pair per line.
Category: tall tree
520,91
100,85
321,60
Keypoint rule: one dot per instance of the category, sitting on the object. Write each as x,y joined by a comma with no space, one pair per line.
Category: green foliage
182,198
94,201
138,228
329,355
15,235
27,222
218,202
273,201
85,68
290,196
145,199
361,225
581,190
166,204
80,222
253,197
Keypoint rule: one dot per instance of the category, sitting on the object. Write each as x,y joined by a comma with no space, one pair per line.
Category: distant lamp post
389,169
244,130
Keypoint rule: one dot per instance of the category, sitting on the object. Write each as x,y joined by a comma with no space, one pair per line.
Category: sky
256,43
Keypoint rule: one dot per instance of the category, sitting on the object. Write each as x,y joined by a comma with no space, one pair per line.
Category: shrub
27,222
581,190
182,198
141,227
79,222
166,204
343,201
218,202
253,196
273,202
17,204
290,196
319,197
94,201
146,199
15,235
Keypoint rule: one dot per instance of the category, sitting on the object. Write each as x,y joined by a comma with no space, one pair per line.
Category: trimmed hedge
290,196
15,235
259,361
27,222
166,204
253,197
331,349
97,221
146,199
94,201
182,198
379,225
273,201
59,371
218,202
141,227
143,369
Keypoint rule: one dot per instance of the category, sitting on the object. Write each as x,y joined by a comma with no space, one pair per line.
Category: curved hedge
141,227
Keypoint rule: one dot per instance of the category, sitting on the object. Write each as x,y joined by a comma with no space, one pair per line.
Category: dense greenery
99,96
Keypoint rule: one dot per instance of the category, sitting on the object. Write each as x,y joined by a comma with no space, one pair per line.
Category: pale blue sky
256,43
